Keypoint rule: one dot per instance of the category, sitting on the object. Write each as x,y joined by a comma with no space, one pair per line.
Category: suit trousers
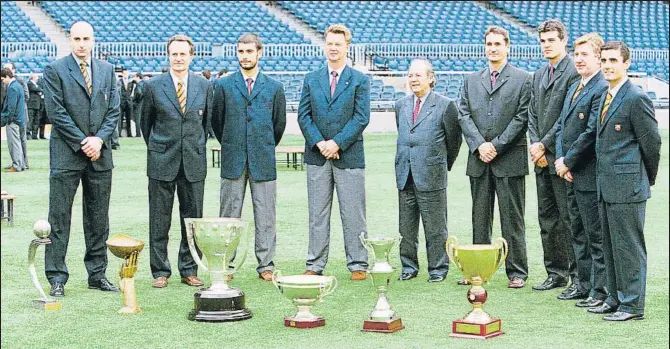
126,115
625,254
511,193
431,207
137,116
23,132
63,185
587,241
350,186
264,200
554,219
34,122
161,200
14,146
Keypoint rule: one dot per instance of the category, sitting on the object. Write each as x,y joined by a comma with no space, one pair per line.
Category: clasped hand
487,152
91,147
329,149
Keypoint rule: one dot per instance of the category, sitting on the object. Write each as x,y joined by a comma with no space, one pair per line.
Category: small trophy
304,291
382,318
42,229
477,263
127,248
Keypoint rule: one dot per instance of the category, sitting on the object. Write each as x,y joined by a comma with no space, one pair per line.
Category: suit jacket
124,93
576,132
13,110
498,115
546,102
628,146
429,146
341,118
76,114
174,138
249,127
35,95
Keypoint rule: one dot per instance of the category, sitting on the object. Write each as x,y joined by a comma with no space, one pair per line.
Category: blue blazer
13,110
628,146
341,118
248,127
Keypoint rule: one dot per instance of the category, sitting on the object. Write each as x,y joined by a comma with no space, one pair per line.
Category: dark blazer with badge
543,112
576,132
174,137
75,114
341,118
429,146
249,127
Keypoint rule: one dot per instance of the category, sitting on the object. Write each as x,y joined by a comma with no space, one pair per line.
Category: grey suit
176,159
499,115
426,149
76,114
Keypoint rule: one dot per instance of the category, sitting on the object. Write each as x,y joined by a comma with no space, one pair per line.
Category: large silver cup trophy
218,239
304,291
382,318
42,229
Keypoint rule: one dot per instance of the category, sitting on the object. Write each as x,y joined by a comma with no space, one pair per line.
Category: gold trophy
127,248
42,229
477,263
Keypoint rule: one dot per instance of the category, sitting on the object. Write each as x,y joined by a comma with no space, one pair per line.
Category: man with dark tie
83,106
576,163
126,103
175,109
493,114
334,110
628,147
429,138
249,118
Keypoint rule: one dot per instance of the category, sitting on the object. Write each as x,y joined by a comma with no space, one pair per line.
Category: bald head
81,39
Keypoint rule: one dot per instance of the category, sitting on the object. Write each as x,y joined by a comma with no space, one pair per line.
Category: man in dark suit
83,106
175,110
34,105
493,114
126,103
24,129
249,118
135,96
550,84
14,117
429,138
628,146
576,163
43,110
208,76
333,112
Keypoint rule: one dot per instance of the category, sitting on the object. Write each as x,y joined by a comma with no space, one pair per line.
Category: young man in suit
550,84
24,129
576,163
493,114
249,118
175,110
34,105
334,110
429,138
628,147
83,106
14,117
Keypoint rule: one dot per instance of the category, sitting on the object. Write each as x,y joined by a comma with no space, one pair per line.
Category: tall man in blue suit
248,119
628,146
333,112
83,106
576,163
175,110
429,138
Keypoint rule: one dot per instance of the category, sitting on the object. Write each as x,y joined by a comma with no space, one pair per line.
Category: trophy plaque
127,248
41,229
304,291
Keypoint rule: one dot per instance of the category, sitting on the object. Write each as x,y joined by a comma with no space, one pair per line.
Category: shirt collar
253,77
339,71
559,62
588,78
613,91
499,70
78,60
422,98
175,79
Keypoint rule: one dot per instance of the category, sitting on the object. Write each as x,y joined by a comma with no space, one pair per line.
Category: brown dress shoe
160,282
309,272
11,169
266,275
358,275
191,280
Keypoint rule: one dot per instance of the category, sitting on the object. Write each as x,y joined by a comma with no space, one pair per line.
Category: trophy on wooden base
42,229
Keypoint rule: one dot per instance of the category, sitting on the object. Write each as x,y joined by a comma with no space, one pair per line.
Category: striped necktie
181,96
87,78
606,107
579,89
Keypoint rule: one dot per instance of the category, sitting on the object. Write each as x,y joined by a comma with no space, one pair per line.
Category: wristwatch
541,146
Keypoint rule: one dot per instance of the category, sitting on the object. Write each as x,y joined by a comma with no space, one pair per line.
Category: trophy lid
123,245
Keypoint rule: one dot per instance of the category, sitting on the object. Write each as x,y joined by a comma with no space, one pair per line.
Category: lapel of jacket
616,102
258,85
585,90
426,110
242,85
170,92
324,81
96,71
193,90
502,78
342,83
486,80
75,72
408,109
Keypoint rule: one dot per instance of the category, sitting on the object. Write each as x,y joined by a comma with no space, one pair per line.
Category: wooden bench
291,152
216,157
9,214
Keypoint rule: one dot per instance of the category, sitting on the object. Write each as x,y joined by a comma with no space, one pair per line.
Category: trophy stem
130,305
219,280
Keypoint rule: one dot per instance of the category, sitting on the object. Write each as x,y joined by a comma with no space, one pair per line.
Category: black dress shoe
103,285
623,316
602,309
436,278
550,283
407,276
57,290
572,292
589,303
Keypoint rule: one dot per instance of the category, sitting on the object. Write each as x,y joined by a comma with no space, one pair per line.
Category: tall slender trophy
127,248
42,229
477,263
304,291
218,239
382,318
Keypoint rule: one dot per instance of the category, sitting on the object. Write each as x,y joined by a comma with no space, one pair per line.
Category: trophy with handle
127,248
41,229
304,291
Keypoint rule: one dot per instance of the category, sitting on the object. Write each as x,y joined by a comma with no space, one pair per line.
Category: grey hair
429,68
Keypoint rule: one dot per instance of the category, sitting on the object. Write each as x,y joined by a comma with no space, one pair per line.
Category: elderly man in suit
83,106
333,112
576,163
493,114
429,138
14,117
34,105
175,110
249,118
628,146
550,85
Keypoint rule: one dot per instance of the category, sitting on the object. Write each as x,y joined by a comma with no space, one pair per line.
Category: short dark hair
494,29
553,25
251,38
164,70
222,72
139,75
618,45
207,74
6,73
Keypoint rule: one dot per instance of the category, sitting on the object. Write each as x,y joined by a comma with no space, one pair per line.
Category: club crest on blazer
617,127
581,116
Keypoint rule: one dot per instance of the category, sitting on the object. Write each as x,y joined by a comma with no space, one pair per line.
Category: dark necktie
551,72
333,83
494,77
417,107
249,82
